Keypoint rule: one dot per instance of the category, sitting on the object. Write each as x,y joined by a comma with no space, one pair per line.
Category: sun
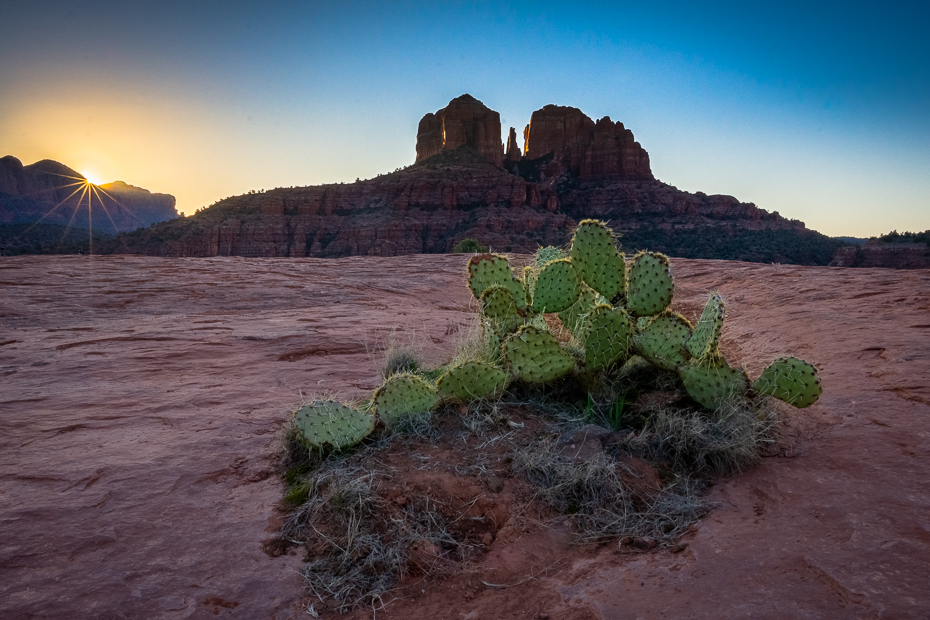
92,178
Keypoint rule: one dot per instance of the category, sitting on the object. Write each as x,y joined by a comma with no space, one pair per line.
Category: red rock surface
512,151
140,399
878,254
590,151
464,122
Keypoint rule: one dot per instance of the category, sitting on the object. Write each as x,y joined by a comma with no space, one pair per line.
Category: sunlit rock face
464,122
592,151
53,193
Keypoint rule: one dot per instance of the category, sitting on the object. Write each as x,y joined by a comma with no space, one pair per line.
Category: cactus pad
662,342
546,255
706,337
557,287
651,286
326,422
472,380
711,381
607,338
402,395
536,356
575,317
498,305
791,380
486,270
596,257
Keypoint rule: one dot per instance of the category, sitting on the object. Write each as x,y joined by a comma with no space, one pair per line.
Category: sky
817,110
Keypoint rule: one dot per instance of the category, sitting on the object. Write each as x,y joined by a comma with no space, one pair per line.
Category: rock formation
464,122
879,254
513,149
53,193
461,186
590,151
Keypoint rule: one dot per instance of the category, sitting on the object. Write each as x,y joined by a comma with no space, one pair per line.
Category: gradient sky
818,110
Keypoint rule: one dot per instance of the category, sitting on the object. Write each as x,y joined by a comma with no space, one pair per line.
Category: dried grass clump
716,443
356,553
601,504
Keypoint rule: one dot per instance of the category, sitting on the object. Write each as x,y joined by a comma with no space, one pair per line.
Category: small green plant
469,246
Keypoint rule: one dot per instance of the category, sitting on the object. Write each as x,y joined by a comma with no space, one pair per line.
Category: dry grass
708,443
601,503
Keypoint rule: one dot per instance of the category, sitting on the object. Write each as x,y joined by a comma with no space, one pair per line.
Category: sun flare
92,178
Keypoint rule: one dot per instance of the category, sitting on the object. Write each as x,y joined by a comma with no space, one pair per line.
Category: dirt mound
140,400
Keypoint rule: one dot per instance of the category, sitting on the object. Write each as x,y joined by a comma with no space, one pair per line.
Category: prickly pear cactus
596,257
662,342
706,338
536,357
607,337
486,270
471,381
791,380
557,287
498,305
402,395
546,255
711,381
575,317
651,286
326,422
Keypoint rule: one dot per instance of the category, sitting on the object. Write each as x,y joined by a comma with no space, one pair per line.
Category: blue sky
820,111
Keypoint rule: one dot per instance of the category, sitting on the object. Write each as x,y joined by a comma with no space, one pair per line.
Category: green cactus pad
595,256
557,287
325,422
486,270
791,380
546,255
711,381
607,337
536,357
575,317
402,395
529,281
471,381
706,337
662,342
651,286
498,305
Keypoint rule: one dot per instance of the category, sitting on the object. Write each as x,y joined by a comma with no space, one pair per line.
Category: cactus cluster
617,315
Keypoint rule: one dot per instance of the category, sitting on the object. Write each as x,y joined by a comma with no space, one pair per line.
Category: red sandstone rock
138,421
464,122
591,151
513,149
889,255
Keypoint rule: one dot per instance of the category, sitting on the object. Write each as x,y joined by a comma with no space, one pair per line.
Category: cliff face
590,151
888,255
462,186
53,193
464,122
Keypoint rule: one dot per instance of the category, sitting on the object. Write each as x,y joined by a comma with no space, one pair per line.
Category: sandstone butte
45,191
466,183
140,399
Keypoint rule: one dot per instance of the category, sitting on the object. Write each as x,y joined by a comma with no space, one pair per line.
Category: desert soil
140,400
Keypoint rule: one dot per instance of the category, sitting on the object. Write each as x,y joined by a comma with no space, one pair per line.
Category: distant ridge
46,192
464,183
